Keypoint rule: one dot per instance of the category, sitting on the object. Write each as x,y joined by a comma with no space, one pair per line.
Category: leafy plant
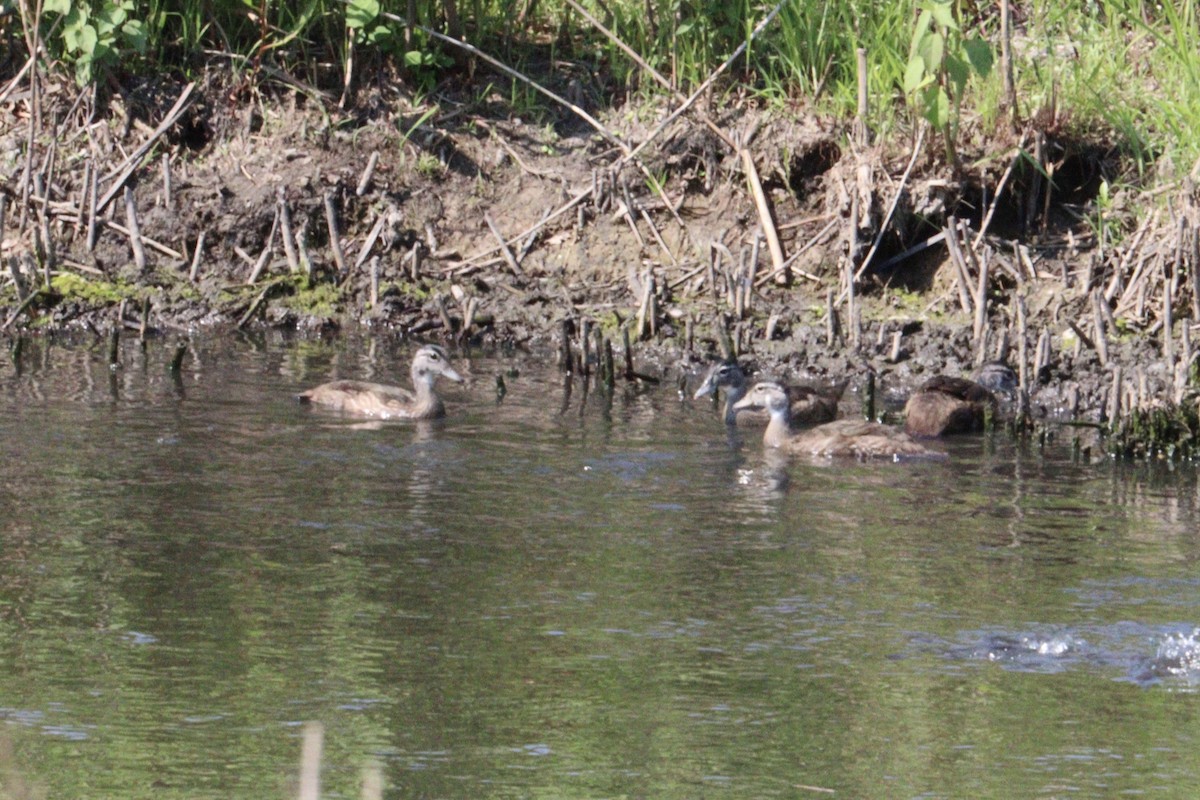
940,63
96,35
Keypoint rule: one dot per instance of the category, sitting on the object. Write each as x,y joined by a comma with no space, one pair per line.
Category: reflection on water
564,592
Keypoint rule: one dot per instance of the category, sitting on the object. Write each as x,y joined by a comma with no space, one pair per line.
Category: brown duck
845,437
946,405
390,402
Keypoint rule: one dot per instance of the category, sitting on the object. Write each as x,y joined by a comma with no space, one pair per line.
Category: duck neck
425,399
777,428
732,395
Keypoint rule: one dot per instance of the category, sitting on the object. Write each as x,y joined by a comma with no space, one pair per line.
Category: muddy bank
169,210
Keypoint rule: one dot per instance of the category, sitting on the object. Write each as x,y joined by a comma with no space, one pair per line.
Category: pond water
552,595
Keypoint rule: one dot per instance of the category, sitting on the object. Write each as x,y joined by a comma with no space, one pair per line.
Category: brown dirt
439,179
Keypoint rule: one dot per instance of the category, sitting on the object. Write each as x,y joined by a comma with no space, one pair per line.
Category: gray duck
809,404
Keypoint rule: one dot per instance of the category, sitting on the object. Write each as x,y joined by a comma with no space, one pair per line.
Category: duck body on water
808,405
946,405
382,401
856,438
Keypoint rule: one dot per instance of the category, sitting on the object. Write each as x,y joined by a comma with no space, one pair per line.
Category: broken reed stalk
82,205
869,397
725,340
414,262
1022,346
372,781
862,134
645,321
439,303
852,308
832,332
364,182
961,275
1006,62
564,345
609,365
196,256
374,282
778,265
335,236
261,264
981,302
91,207
305,260
1116,398
145,321
372,237
135,234
114,344
168,199
584,346
286,231
1168,322
310,761
628,352
509,258
1098,322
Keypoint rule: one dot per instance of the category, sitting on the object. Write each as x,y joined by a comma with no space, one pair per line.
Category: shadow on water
561,589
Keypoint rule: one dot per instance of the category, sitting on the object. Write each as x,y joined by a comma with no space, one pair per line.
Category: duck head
430,363
727,375
998,377
766,395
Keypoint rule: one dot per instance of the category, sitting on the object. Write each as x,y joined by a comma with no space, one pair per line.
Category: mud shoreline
293,214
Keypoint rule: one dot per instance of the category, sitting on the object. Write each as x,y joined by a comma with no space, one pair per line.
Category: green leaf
57,6
414,58
88,40
914,75
924,20
979,53
933,51
134,34
937,107
944,15
379,35
361,13
959,72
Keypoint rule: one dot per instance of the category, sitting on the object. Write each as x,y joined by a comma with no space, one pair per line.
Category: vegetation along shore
850,188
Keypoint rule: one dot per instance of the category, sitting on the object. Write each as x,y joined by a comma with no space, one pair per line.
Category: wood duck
845,437
946,405
809,404
390,402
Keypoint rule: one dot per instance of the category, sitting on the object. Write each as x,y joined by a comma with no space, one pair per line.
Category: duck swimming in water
390,402
809,405
946,405
845,437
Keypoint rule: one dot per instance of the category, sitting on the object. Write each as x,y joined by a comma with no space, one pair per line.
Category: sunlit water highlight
552,594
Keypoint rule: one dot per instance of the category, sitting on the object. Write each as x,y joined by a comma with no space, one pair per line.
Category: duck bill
452,375
746,402
708,387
